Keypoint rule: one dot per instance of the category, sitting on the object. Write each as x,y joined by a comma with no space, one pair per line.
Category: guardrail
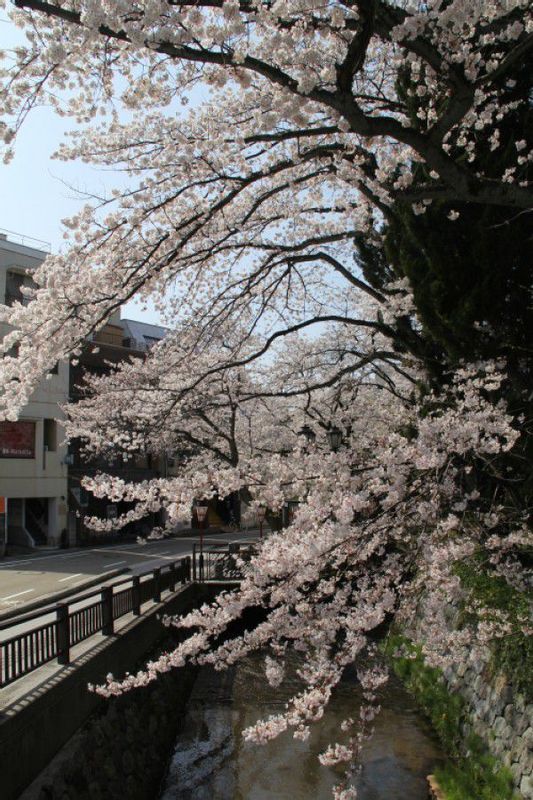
28,650
219,561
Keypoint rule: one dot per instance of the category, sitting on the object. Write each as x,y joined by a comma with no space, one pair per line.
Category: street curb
54,598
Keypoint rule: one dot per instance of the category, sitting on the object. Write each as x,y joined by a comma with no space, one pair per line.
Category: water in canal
213,762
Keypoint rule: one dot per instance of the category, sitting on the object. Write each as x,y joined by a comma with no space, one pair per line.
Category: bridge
30,640
48,656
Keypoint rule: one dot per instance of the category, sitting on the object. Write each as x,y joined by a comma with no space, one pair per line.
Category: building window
15,281
50,435
13,351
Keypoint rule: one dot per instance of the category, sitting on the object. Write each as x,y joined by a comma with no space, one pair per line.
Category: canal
211,760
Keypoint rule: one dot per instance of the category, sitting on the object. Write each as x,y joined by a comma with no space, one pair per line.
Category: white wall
46,474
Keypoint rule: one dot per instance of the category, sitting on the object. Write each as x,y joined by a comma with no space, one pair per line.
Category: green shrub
472,773
477,776
511,654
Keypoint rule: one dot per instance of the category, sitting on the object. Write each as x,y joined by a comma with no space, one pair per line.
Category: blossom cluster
258,141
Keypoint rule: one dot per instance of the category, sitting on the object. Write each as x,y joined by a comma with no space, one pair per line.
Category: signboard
17,439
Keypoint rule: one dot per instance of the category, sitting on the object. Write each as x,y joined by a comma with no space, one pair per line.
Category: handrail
212,560
218,561
28,650
79,598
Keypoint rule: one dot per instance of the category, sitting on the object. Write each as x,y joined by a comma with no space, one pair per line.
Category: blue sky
36,192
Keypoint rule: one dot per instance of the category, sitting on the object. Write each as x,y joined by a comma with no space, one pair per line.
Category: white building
33,472
141,335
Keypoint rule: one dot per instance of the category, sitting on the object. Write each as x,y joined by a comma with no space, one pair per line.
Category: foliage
468,266
445,710
513,653
478,777
471,773
467,274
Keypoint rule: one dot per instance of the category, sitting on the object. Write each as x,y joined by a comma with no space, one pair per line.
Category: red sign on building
17,439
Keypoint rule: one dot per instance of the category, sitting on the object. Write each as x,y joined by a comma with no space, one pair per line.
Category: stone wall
497,713
500,716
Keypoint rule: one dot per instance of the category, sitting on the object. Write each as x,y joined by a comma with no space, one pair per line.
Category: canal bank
180,738
194,718
123,749
212,761
53,703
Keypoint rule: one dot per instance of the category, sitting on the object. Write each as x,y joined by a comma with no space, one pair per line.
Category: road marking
147,554
166,553
115,564
31,559
69,577
18,594
100,551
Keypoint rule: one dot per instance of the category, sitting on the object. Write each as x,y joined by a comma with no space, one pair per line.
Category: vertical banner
3,525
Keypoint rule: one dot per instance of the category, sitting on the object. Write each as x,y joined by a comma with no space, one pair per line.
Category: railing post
157,585
63,634
107,611
234,549
172,577
194,563
186,569
136,595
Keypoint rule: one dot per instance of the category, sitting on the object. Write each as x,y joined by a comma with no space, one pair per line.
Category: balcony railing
14,237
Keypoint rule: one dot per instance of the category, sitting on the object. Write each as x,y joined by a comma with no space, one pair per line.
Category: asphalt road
27,579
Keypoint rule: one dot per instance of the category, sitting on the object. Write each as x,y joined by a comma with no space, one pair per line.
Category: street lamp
308,432
261,514
335,438
201,515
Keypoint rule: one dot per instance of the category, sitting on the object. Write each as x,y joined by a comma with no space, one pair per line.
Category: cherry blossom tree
270,148
304,139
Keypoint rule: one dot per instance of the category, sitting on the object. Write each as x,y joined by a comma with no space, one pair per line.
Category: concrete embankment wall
40,724
123,751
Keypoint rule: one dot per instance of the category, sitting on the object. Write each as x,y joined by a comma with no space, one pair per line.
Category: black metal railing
53,638
219,561
85,622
